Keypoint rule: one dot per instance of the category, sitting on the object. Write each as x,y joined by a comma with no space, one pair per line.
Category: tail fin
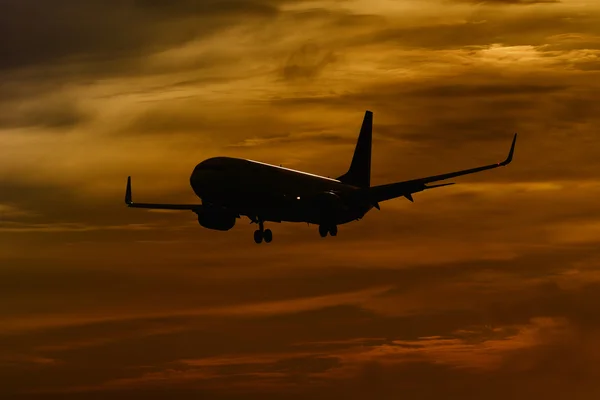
359,173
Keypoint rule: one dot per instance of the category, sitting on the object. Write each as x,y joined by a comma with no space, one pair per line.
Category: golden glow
487,288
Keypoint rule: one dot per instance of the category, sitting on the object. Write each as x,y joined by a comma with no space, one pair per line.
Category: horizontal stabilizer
409,195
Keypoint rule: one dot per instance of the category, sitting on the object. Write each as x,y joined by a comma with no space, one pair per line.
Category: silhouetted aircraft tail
359,173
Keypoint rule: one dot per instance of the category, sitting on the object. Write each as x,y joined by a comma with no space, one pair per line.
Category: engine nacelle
328,206
216,219
329,201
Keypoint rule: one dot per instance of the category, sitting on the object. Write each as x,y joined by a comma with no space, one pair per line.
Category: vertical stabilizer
359,173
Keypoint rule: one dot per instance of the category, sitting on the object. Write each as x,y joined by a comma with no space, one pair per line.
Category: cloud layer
486,288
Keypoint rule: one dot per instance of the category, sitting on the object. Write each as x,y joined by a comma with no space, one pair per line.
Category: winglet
510,154
128,192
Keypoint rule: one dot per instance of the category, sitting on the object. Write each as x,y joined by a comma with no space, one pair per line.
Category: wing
407,188
130,203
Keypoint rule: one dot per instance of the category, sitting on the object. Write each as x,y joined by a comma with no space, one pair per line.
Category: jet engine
329,205
329,201
216,219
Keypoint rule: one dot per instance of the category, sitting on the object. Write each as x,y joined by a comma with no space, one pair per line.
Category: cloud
53,113
10,211
356,366
467,353
307,62
517,303
487,288
267,308
484,90
123,31
66,227
511,2
482,27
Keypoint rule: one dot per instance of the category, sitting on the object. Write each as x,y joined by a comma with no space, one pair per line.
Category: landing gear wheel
258,236
268,235
323,230
333,230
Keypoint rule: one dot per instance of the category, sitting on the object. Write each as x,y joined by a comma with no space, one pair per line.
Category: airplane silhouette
230,188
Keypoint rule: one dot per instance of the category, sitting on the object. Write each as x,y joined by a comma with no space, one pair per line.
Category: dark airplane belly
270,194
317,216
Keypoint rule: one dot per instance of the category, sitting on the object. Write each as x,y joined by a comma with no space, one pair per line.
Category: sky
488,288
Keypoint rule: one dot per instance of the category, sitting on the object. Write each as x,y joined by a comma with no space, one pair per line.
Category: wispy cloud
487,288
8,226
37,322
478,349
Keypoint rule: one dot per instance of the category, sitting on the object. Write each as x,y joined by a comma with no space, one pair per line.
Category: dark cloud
487,90
53,112
164,120
53,203
92,32
208,8
264,356
588,65
510,2
257,129
490,289
483,28
449,117
307,62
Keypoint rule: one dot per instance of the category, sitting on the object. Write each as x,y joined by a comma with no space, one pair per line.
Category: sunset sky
486,289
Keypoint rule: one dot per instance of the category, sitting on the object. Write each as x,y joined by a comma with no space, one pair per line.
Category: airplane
231,188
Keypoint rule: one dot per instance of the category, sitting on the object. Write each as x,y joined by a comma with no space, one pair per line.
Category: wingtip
511,152
128,191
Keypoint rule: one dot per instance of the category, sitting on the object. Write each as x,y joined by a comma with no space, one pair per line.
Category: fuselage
274,193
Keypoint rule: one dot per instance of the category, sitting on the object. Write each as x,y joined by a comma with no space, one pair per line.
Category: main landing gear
325,229
262,234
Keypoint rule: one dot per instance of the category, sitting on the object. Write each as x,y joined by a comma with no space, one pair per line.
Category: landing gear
325,229
333,230
258,237
262,234
268,235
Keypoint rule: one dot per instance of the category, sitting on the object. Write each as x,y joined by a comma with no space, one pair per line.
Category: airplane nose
198,181
199,176
207,174
202,177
